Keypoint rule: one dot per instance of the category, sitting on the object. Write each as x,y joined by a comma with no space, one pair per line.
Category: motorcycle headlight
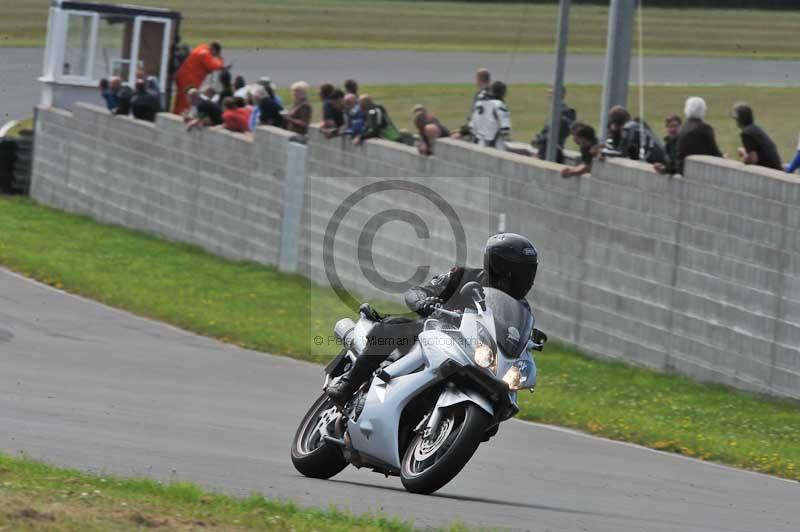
484,356
516,375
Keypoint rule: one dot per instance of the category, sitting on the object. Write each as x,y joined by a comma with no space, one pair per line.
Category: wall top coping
500,154
93,108
272,130
56,110
749,168
395,146
630,163
168,117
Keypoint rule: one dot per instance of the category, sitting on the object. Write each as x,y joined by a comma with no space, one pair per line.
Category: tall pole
618,59
558,81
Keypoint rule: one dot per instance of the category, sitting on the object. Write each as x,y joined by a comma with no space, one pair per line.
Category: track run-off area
87,386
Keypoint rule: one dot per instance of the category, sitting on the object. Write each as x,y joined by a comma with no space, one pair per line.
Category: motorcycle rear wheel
311,455
429,464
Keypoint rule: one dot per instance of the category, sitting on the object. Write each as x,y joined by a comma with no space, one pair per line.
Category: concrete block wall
697,274
693,274
219,190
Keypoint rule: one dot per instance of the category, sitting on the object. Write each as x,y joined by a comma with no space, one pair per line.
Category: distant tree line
749,4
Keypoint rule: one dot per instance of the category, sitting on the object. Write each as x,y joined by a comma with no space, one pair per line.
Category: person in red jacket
203,60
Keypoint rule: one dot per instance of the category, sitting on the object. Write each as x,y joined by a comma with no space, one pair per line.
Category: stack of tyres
8,150
21,182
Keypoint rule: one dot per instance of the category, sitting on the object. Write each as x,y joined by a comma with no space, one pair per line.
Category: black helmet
510,262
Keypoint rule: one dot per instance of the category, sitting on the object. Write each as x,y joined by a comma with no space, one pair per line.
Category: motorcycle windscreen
513,322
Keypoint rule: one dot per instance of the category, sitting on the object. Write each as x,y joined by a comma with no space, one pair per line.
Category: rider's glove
429,304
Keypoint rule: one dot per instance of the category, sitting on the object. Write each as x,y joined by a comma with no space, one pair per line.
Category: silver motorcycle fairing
376,432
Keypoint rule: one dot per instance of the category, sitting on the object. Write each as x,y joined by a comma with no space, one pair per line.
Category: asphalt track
19,68
91,387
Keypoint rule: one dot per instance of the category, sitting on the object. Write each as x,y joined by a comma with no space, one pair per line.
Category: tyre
429,464
311,455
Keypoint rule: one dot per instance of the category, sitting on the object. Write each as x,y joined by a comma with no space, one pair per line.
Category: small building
87,42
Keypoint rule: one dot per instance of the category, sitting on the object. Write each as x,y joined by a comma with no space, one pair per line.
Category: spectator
266,82
586,139
234,117
429,129
351,87
226,85
377,123
246,109
257,94
239,87
144,105
757,148
795,164
618,116
270,110
325,91
299,116
151,85
696,136
567,116
210,93
333,114
105,92
670,164
483,79
207,113
632,138
116,95
123,94
490,123
353,114
203,60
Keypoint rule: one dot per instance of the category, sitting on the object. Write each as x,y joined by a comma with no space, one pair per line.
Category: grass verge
443,26
34,496
258,307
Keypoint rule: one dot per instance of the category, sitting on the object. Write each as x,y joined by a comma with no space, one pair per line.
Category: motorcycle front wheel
430,463
311,455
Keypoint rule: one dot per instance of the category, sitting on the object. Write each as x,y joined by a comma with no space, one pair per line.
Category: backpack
629,144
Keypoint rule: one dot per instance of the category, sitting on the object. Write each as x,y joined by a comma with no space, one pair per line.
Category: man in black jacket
566,118
696,136
144,105
757,147
510,262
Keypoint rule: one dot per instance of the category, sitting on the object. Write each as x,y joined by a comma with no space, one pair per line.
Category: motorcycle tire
310,456
468,428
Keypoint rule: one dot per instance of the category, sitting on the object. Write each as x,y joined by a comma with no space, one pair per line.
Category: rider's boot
343,389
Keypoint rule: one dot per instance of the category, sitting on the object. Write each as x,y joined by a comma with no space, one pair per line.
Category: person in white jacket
490,121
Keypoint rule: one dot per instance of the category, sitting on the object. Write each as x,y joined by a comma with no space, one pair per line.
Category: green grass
34,496
777,109
399,24
257,307
21,125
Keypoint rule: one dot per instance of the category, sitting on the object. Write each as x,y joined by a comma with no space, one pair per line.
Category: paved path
19,68
87,386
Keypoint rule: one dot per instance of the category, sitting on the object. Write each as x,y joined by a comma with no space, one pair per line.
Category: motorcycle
423,415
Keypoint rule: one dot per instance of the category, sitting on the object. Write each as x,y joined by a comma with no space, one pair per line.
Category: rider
509,264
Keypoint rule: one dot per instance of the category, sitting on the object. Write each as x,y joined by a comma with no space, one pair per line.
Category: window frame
57,67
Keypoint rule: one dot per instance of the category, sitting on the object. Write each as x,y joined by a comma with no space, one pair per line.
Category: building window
78,45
